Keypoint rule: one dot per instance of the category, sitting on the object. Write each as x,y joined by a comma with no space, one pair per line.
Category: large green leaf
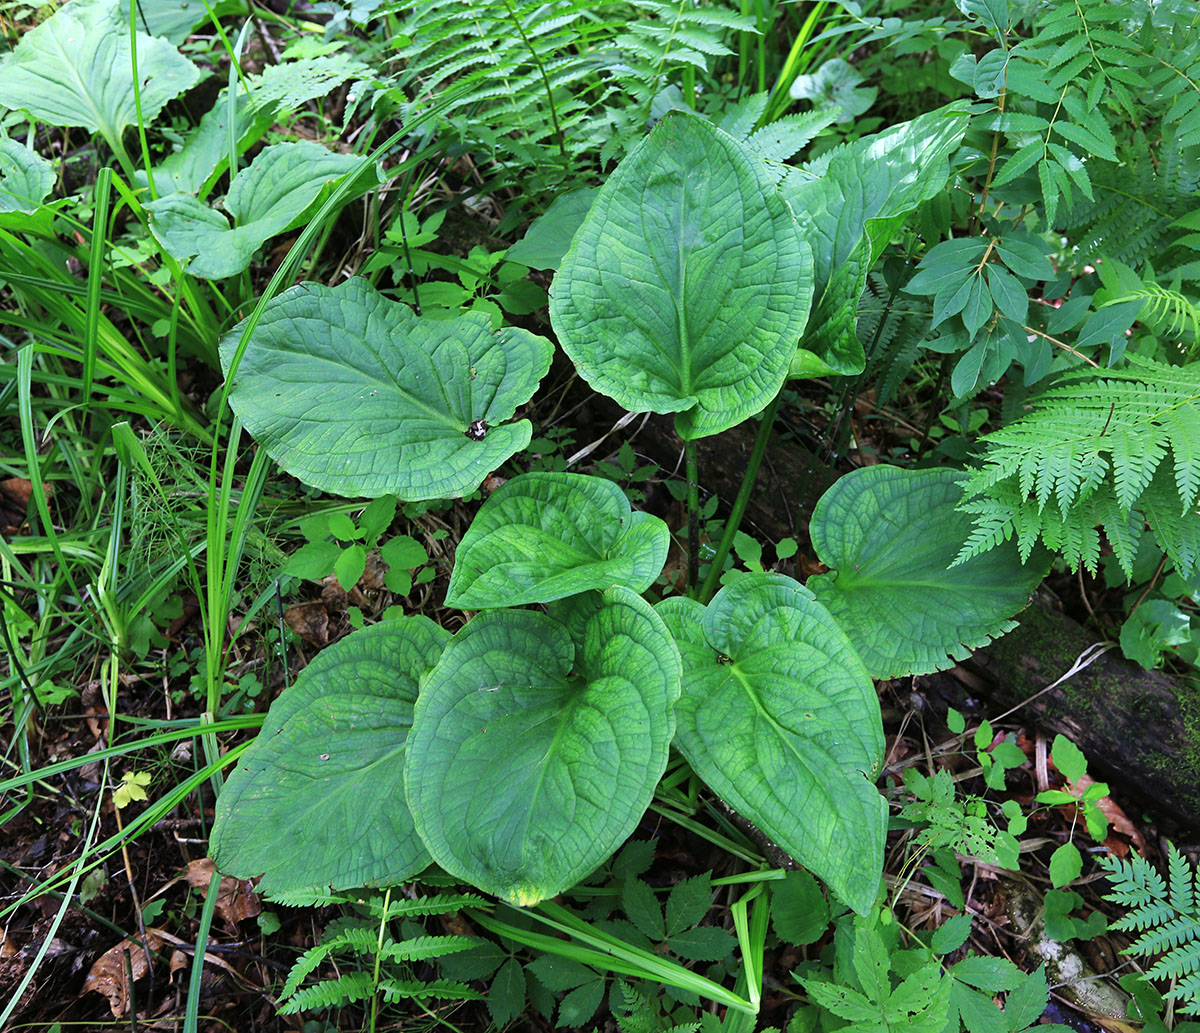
318,798
780,718
688,285
74,70
890,536
850,203
258,100
532,757
175,19
543,536
356,395
25,177
278,188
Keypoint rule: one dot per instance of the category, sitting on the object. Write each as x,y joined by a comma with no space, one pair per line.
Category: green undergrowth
307,320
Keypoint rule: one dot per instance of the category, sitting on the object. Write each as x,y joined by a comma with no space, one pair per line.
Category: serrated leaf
688,902
312,561
986,973
779,717
951,934
799,911
349,566
689,282
1066,865
890,536
403,552
1025,259
506,995
1068,758
578,1007
268,197
977,1012
703,943
545,536
356,395
75,70
1026,1002
643,910
318,798
533,757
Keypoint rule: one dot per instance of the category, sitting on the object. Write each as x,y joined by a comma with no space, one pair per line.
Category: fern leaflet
1167,914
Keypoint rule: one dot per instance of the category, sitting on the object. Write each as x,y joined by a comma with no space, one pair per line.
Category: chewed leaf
544,536
533,757
688,285
891,536
779,717
354,394
318,798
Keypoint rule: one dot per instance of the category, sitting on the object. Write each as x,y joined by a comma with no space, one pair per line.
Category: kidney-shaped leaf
779,717
532,758
890,536
850,202
544,536
75,70
265,198
356,395
318,798
688,285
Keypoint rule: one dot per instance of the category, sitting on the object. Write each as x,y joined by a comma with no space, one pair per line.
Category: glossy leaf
318,798
356,395
780,718
533,757
276,190
74,70
544,536
890,536
687,287
849,203
175,19
25,177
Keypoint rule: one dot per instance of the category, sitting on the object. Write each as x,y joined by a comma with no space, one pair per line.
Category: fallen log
1139,729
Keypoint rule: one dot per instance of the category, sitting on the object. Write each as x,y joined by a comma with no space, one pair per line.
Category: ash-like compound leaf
356,395
318,798
544,536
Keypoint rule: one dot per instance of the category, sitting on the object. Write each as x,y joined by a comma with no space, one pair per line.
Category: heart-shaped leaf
25,177
356,395
318,798
779,717
282,184
688,285
544,536
532,758
850,201
891,536
75,70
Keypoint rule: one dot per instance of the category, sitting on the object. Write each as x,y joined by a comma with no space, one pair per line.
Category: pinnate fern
1167,914
375,963
1093,453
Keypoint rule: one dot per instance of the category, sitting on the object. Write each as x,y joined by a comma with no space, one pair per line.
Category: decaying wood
1139,729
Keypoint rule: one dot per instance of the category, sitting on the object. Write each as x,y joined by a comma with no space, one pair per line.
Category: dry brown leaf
310,621
109,975
235,897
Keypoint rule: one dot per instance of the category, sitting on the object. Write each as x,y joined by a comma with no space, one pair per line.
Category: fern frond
1097,442
1167,913
444,989
330,993
438,904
